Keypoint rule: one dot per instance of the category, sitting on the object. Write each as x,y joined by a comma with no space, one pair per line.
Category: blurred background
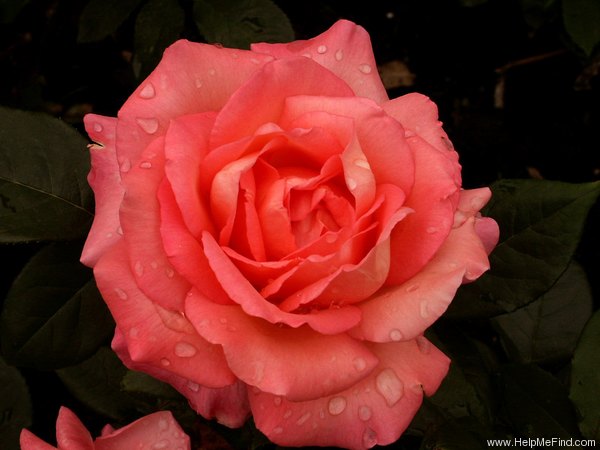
516,81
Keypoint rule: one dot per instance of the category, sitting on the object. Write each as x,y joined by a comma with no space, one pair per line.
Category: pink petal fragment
140,219
404,312
228,404
71,434
29,441
261,99
345,49
154,335
376,410
419,115
243,293
105,179
271,358
151,432
191,78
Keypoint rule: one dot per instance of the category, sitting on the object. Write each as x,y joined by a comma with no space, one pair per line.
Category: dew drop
364,413
389,386
149,125
362,163
287,414
163,425
147,91
185,349
254,61
139,269
424,310
277,430
163,443
165,362
146,165
351,182
369,438
336,406
396,335
98,127
121,293
423,344
303,418
223,320
359,364
170,273
120,231
198,83
194,387
321,49
125,166
307,55
134,332
277,401
431,230
339,55
330,238
154,265
365,68
212,72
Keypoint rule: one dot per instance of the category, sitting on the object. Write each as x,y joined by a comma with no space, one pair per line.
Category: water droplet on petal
277,401
423,344
339,55
359,364
431,230
396,335
287,414
134,332
125,166
139,269
336,406
121,293
146,165
149,125
98,127
148,91
154,265
254,61
120,231
364,413
170,273
163,425
198,83
165,362
195,387
389,386
369,438
365,68
223,320
185,349
321,49
424,309
303,418
277,430
351,182
362,163
330,238
163,443
412,288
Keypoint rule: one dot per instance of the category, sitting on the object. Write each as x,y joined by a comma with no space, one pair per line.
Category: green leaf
582,19
101,18
238,23
158,25
10,9
54,315
547,330
141,384
457,434
15,406
536,403
44,194
585,379
96,382
541,223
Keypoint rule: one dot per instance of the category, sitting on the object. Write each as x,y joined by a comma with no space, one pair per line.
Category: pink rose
273,236
152,432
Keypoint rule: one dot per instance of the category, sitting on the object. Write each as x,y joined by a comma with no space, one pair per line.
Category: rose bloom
152,432
273,235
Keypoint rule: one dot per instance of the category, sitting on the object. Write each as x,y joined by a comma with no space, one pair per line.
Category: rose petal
105,179
419,115
345,49
403,312
488,231
272,358
71,434
281,79
140,219
242,292
158,430
191,78
228,404
29,441
376,410
154,335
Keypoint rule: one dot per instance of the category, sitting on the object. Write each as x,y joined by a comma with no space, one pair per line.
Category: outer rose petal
71,434
105,179
30,441
158,430
228,405
376,410
345,49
